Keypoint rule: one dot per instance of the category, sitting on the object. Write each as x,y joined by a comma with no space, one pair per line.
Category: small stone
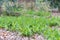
18,38
40,38
25,38
1,38
32,39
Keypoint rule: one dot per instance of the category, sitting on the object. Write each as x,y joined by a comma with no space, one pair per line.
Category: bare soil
55,13
7,35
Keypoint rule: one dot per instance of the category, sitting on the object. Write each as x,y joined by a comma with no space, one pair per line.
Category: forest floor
55,14
7,35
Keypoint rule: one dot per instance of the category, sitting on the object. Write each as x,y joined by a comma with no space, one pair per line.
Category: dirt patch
55,14
7,35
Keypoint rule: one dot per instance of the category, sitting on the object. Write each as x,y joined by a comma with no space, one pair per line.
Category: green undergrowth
37,13
28,26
